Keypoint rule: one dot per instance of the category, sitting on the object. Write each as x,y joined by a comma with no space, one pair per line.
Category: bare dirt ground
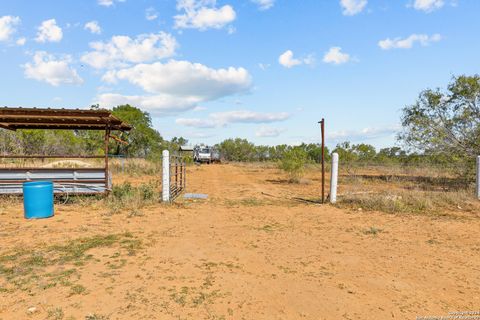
241,254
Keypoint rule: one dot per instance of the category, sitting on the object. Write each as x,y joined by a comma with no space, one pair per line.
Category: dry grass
399,189
129,198
410,202
58,265
136,167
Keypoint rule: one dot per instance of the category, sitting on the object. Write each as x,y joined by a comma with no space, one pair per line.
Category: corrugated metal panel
66,180
36,118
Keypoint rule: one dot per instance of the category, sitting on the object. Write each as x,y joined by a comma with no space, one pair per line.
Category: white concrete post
166,176
478,178
334,178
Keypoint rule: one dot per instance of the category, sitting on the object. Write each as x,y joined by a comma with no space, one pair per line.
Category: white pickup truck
202,154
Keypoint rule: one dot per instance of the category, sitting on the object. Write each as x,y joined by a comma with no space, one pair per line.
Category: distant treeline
442,127
244,151
146,142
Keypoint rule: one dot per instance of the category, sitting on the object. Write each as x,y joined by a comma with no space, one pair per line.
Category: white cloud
407,43
159,105
428,5
48,68
199,108
336,56
108,3
151,14
363,134
196,123
220,119
264,66
105,3
264,4
245,116
21,41
203,15
93,27
200,135
268,132
184,78
121,50
49,31
287,60
8,26
353,7
231,30
176,86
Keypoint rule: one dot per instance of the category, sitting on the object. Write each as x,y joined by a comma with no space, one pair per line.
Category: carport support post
106,140
166,176
478,178
334,178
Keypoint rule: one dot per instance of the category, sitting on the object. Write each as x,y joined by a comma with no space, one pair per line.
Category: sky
264,70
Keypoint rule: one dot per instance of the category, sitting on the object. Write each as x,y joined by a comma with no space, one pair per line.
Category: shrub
132,198
293,163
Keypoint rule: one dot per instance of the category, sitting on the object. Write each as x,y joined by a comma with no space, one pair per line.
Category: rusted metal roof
73,119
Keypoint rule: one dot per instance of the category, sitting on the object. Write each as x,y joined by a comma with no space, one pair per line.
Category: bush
293,163
127,197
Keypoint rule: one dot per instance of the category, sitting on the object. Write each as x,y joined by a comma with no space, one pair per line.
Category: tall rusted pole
322,125
107,136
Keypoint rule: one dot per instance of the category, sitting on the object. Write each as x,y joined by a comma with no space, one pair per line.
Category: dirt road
238,255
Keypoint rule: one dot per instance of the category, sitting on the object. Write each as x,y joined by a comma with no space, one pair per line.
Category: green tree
176,142
314,152
391,155
262,153
445,122
293,163
364,152
237,150
345,152
143,140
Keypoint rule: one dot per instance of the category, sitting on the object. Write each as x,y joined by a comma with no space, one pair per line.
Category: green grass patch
25,269
372,230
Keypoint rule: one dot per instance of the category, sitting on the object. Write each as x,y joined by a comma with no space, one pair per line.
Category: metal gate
178,175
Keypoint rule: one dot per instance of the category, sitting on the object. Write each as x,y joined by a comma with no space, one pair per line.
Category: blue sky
265,70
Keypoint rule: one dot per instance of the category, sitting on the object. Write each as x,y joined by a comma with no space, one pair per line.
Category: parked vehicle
202,154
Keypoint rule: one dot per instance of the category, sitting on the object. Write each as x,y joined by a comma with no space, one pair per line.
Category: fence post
334,178
166,176
478,178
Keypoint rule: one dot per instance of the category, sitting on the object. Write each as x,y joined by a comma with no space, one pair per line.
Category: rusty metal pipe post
107,134
322,126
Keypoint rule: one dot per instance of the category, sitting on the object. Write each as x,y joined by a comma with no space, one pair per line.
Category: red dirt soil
242,254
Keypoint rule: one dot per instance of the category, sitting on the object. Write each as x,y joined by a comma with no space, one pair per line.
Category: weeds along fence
136,166
172,168
406,188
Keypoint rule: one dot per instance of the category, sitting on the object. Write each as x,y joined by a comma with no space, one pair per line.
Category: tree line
244,151
442,126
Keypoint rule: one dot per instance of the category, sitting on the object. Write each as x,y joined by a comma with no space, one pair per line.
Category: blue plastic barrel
38,199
